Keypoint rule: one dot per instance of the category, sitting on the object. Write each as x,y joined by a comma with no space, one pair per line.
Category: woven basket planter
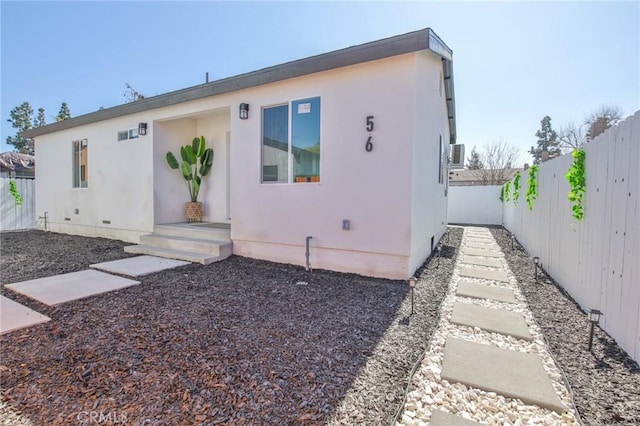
193,212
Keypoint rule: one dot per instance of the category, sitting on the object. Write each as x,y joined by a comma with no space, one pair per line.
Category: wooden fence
597,260
12,216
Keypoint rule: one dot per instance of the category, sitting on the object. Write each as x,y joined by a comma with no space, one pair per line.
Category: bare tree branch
497,157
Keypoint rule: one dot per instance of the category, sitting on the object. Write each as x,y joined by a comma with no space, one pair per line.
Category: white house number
369,145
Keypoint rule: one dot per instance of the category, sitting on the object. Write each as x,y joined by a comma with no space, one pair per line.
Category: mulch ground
241,341
605,381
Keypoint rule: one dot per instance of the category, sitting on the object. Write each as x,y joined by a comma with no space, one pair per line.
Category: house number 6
369,145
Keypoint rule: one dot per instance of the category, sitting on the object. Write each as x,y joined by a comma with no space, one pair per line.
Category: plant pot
193,211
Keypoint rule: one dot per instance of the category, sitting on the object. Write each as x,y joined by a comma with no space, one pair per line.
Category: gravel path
606,382
240,341
430,392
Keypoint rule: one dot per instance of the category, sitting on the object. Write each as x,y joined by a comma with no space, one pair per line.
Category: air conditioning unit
457,156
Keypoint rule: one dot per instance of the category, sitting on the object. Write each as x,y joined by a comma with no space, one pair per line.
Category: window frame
290,178
76,167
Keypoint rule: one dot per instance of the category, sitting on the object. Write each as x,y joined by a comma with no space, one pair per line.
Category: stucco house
348,148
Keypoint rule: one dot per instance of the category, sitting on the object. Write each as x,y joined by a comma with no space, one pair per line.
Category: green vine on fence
14,191
577,180
506,191
532,188
516,188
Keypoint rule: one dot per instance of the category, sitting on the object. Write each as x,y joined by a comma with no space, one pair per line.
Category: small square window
123,136
133,133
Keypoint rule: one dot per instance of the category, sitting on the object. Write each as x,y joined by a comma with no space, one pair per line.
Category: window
301,144
123,136
80,165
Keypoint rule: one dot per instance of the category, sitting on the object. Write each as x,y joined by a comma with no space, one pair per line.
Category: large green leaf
207,158
204,170
173,162
186,171
199,146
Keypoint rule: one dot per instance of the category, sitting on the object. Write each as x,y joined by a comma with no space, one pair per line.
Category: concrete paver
14,316
480,245
482,261
481,291
66,287
486,274
139,265
442,418
510,373
481,252
489,319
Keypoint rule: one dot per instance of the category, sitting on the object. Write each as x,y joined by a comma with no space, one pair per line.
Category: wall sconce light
412,285
142,129
244,111
536,261
594,318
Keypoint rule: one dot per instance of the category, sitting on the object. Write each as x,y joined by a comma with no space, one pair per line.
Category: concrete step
189,256
480,291
202,230
190,244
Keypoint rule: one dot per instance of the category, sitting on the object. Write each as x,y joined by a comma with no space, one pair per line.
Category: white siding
597,259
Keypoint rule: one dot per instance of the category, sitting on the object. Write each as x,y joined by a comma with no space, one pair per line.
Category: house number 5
369,145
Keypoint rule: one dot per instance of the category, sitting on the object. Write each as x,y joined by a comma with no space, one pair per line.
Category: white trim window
291,142
80,164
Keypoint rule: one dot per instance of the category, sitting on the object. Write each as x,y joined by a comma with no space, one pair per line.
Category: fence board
13,216
595,260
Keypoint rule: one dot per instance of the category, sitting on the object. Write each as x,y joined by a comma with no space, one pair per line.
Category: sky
514,62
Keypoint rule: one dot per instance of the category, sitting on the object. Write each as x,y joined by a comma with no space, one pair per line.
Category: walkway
487,362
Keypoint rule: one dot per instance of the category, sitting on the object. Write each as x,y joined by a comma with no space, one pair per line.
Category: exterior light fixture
412,285
142,129
513,240
439,252
244,111
536,262
594,318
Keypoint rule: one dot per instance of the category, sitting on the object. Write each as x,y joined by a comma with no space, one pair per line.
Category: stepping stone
485,274
75,285
510,373
14,316
489,319
481,291
482,261
478,245
139,265
442,418
481,252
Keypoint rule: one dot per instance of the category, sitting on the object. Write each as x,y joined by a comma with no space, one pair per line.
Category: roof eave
380,49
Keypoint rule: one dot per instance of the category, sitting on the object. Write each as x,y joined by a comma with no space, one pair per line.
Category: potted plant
196,164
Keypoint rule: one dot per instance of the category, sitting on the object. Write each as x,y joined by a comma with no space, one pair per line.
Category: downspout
308,253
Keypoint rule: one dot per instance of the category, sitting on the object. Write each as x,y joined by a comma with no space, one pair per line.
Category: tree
21,119
547,141
571,136
131,95
497,157
604,117
64,113
40,119
474,162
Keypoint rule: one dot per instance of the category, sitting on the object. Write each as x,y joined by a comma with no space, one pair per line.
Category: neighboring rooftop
463,177
15,164
414,41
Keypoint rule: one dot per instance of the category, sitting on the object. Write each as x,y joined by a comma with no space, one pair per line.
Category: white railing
597,260
14,216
